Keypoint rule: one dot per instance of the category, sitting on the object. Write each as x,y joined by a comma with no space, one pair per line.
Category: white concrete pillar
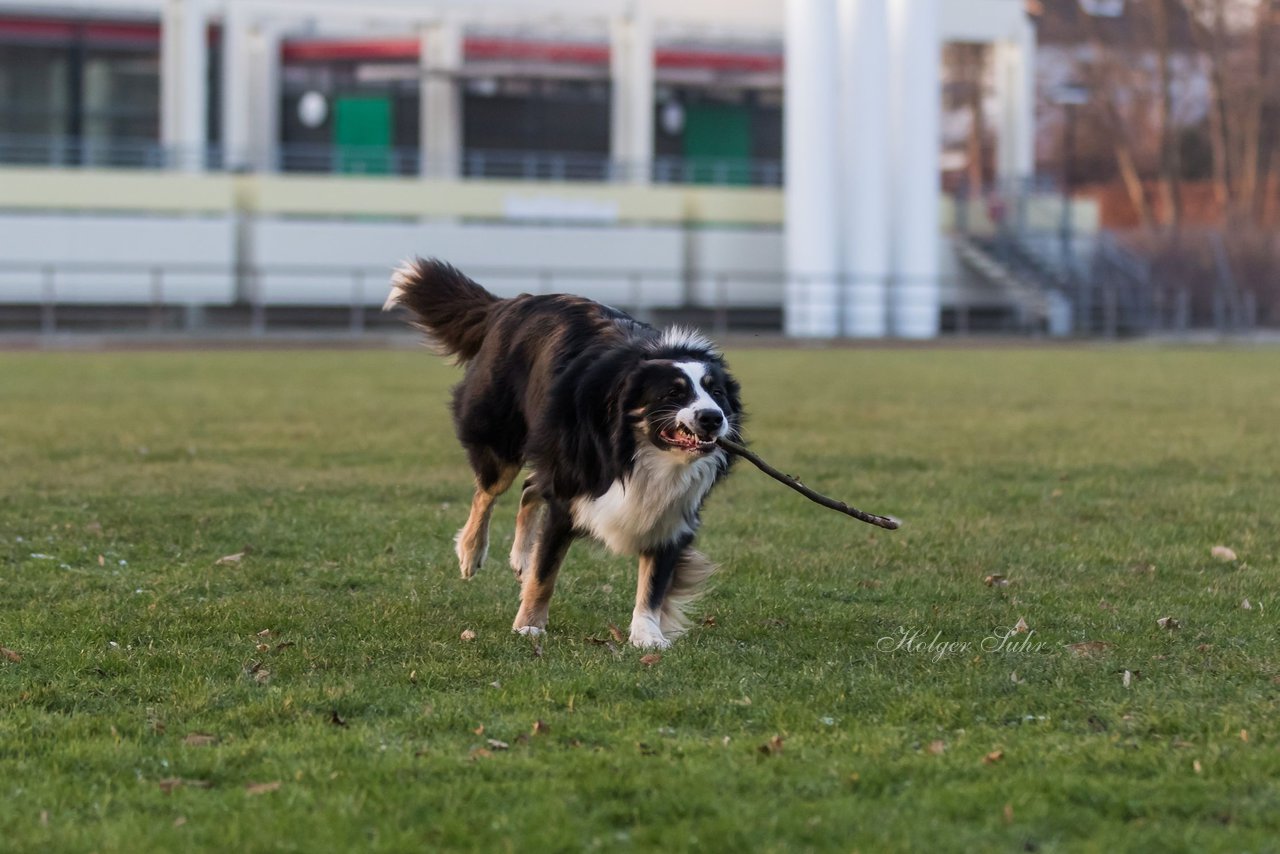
631,61
250,92
184,88
440,100
812,230
915,69
264,100
236,100
864,152
1015,63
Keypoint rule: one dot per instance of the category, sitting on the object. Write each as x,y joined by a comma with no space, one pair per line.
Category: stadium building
734,162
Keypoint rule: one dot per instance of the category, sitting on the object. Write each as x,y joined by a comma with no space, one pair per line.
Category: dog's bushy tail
687,586
445,303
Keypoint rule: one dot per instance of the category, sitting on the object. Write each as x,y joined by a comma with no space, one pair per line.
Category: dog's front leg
538,584
657,568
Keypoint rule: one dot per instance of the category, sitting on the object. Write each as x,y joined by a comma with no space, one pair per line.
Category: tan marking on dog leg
472,542
646,631
528,520
539,582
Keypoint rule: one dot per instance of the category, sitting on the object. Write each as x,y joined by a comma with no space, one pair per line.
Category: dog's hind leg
528,519
539,579
492,479
687,586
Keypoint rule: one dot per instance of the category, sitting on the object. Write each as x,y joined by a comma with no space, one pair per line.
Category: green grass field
316,695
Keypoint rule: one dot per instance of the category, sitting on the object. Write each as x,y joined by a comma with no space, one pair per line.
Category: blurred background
809,168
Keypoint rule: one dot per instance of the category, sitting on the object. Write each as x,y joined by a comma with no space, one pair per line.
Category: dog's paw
471,556
529,631
645,634
520,562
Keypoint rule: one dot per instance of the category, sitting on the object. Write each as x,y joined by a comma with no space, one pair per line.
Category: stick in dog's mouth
887,522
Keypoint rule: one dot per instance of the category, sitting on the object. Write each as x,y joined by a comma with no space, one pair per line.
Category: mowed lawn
842,692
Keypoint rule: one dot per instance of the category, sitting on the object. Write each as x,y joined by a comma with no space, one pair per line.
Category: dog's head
682,396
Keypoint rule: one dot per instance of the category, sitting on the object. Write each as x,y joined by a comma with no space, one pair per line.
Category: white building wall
113,259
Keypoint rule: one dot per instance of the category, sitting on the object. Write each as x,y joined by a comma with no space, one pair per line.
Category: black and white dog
618,421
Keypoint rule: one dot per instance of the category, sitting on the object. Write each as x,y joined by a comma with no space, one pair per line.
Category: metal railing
84,152
237,300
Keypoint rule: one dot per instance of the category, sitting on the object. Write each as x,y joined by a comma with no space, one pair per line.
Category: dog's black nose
709,420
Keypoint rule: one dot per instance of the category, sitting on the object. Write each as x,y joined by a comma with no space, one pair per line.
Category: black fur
550,379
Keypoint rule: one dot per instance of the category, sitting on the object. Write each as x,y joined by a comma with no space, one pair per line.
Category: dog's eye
675,393
717,393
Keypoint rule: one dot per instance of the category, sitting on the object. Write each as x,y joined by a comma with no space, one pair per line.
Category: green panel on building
362,134
717,143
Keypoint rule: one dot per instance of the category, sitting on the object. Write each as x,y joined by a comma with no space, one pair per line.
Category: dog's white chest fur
652,506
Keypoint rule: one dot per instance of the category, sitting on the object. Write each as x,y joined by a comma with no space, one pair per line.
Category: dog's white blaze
653,505
688,416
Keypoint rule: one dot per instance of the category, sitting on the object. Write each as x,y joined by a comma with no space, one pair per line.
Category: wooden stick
870,518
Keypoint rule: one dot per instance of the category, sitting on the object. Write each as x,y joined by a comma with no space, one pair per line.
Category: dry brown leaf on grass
772,747
494,744
1223,553
266,633
1008,813
467,635
102,560
1088,649
480,753
200,739
228,560
1168,623
993,757
1195,766
479,730
618,636
1127,678
1246,605
996,580
937,747
10,655
262,788
540,728
709,621
259,673
1021,627
650,659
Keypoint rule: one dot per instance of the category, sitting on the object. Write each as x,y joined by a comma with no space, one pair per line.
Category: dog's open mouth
686,440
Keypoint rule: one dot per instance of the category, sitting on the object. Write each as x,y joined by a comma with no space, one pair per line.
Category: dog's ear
628,396
593,442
